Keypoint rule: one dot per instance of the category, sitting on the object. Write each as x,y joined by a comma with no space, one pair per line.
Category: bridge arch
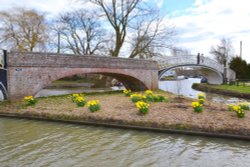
29,72
212,75
208,65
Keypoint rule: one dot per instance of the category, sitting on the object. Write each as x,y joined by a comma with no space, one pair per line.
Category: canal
184,88
37,143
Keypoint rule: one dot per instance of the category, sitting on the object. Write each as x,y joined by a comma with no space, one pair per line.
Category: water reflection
180,87
33,143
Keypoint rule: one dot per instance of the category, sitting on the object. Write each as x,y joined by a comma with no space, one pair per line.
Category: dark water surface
35,143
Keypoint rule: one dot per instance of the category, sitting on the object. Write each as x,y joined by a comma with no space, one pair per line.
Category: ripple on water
34,143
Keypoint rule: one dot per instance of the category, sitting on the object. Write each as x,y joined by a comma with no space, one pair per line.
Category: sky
199,24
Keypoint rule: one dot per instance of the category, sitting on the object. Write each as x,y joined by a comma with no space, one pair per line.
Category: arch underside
213,76
129,81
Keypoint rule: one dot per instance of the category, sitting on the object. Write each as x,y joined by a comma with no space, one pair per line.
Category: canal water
36,143
184,87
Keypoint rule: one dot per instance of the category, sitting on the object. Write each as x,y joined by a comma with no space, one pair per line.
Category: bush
94,105
151,97
29,100
197,107
160,98
155,98
142,107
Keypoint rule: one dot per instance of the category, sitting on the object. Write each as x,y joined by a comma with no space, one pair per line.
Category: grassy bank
240,91
176,114
235,88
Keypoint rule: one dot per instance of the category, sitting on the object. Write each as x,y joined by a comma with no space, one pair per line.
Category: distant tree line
241,67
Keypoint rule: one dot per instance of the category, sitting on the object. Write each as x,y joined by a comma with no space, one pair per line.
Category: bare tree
137,19
81,32
223,53
150,37
23,29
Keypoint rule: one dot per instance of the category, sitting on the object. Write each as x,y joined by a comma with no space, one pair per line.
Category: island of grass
241,91
117,110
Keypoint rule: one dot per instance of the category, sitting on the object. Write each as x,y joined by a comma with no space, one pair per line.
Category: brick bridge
207,67
28,73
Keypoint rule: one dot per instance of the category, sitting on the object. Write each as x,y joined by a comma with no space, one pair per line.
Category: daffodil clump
201,96
244,106
148,92
239,111
29,100
201,101
127,92
74,96
80,101
198,107
151,97
142,107
93,105
137,97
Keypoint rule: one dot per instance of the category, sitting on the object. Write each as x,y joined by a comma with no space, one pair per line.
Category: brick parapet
28,59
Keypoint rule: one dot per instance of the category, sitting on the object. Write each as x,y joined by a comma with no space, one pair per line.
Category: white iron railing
168,61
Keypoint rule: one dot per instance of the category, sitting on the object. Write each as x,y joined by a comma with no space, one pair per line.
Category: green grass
240,88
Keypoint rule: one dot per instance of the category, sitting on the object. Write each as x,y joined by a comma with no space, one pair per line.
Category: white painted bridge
210,68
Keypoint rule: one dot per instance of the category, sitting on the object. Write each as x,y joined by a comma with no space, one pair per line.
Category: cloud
203,24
